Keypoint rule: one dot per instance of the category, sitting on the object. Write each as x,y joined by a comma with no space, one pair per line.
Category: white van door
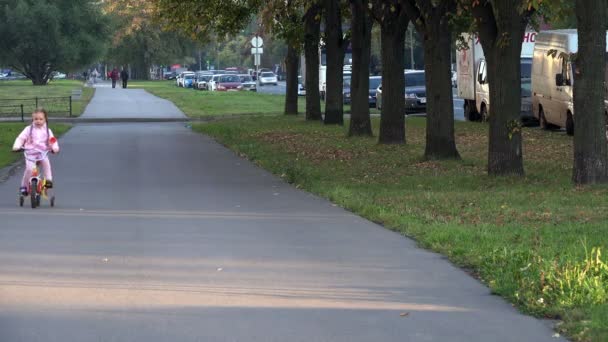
482,88
563,93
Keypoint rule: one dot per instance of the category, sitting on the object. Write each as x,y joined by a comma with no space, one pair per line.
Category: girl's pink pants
45,164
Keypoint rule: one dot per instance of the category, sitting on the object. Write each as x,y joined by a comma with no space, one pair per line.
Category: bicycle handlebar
27,153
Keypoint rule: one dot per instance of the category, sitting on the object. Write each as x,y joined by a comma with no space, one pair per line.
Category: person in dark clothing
124,75
114,74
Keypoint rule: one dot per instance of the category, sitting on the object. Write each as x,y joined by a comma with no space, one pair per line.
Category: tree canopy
42,36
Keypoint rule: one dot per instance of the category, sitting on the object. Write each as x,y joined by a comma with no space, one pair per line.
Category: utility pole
411,29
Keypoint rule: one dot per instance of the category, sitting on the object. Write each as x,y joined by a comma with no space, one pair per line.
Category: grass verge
536,240
23,89
197,103
10,131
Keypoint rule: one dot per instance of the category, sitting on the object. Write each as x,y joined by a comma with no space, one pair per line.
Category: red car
229,83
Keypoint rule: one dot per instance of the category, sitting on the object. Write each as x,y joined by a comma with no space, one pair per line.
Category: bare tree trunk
590,155
291,64
312,35
502,49
361,26
440,141
392,119
334,111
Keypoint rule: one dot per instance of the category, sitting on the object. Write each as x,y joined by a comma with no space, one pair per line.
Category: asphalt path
161,234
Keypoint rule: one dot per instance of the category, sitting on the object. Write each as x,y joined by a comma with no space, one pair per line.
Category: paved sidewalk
161,234
119,103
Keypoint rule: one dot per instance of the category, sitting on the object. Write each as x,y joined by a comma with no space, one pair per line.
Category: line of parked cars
217,80
415,91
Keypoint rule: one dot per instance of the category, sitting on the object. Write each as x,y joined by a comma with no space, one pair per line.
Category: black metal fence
55,106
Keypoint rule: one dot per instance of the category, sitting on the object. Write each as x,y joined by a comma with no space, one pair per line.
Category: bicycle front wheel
34,193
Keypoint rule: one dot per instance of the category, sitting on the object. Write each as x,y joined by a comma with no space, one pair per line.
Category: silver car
268,78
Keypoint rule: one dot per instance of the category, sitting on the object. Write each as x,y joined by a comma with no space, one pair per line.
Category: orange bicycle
36,187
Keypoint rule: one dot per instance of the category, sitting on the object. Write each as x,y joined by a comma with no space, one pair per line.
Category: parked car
268,78
202,82
56,75
188,80
346,89
374,82
228,82
247,82
260,71
212,83
180,79
415,92
301,88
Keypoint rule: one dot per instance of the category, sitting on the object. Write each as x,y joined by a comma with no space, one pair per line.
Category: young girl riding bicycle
37,137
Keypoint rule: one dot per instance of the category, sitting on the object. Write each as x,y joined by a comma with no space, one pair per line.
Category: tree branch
411,7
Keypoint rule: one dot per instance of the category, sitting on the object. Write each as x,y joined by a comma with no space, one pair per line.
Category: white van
472,77
553,79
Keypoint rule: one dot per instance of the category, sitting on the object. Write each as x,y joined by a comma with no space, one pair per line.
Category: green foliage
149,45
41,36
201,19
140,41
284,19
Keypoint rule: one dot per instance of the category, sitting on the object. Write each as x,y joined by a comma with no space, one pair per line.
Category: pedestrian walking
94,75
114,74
124,75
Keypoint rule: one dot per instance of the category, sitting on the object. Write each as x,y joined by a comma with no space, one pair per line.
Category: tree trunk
392,118
590,155
334,111
361,26
312,28
440,141
291,64
38,78
502,49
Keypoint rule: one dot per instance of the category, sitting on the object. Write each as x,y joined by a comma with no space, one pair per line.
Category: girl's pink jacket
37,138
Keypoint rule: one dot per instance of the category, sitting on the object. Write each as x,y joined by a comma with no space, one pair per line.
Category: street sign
257,51
257,42
256,60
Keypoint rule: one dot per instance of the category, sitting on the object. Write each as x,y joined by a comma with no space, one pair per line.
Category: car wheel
484,113
542,120
470,114
569,124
